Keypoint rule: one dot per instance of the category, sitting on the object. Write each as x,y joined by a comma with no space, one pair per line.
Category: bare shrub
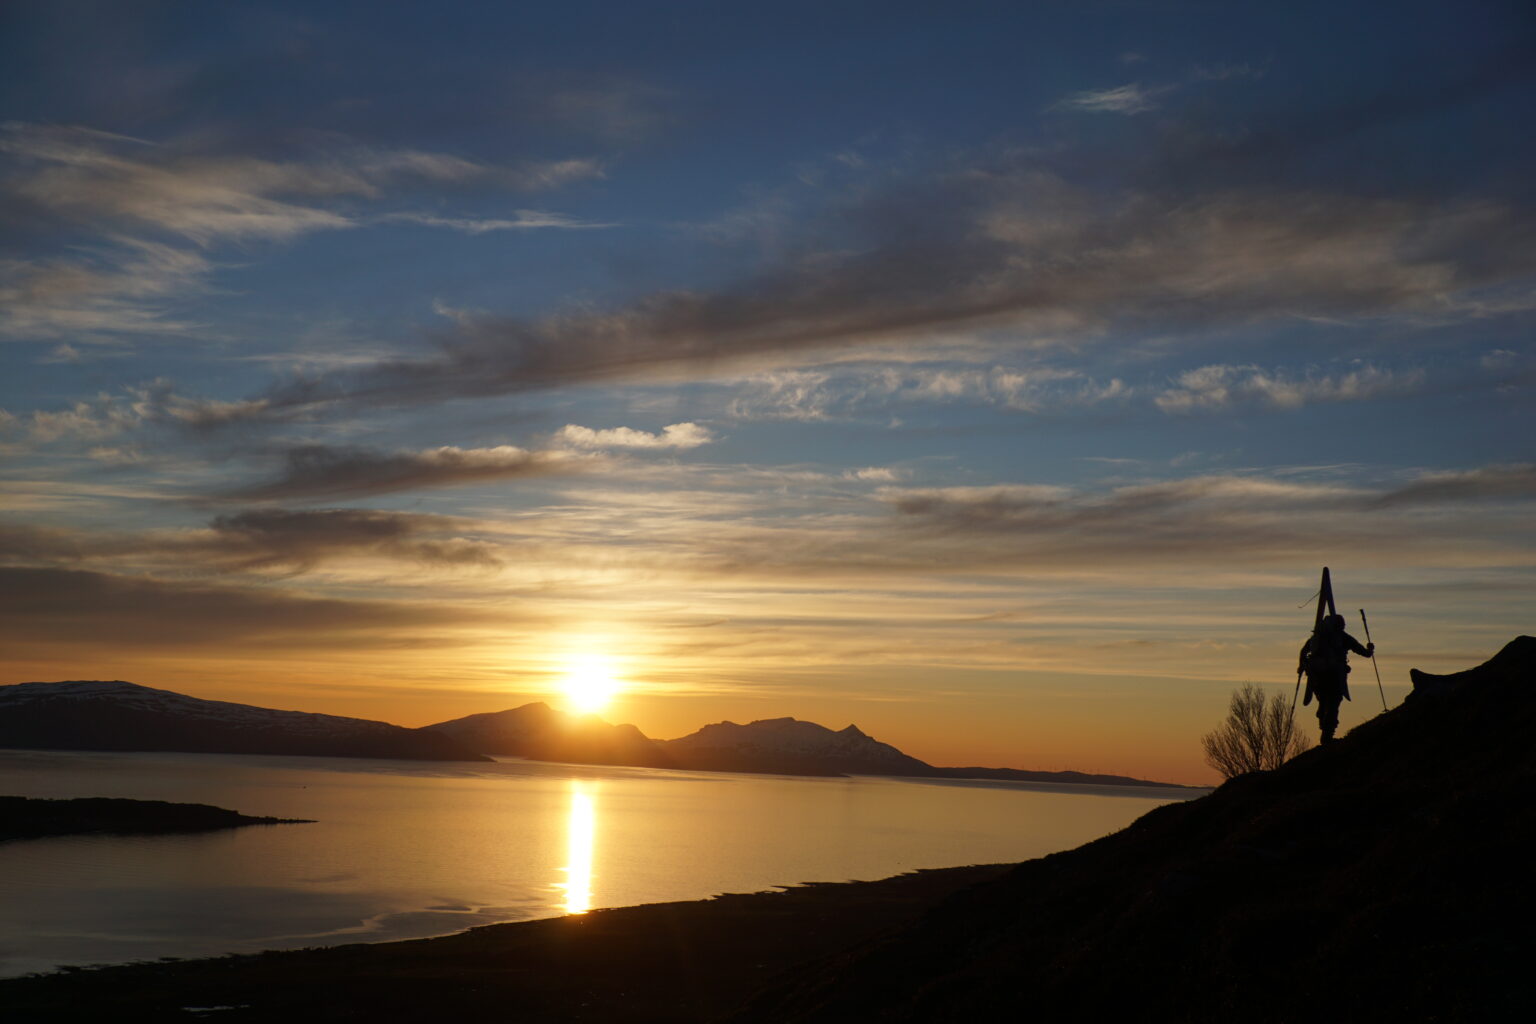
1259,734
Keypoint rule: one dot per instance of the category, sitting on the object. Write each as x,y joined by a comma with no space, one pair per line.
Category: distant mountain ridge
116,715
769,746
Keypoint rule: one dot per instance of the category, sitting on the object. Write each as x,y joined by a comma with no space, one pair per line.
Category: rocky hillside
542,733
1384,877
99,715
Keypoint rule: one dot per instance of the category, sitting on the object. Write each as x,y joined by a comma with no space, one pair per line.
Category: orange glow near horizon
581,832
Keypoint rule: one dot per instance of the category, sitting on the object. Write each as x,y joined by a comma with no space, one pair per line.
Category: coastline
682,961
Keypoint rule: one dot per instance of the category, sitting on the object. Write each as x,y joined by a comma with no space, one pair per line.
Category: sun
589,684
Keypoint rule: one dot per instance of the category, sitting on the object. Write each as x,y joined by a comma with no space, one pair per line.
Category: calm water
405,849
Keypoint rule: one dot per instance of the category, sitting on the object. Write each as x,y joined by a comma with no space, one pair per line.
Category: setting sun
589,684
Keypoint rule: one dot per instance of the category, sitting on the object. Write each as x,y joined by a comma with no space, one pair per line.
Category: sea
410,849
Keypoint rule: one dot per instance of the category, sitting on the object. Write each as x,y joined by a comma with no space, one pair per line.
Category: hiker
1325,660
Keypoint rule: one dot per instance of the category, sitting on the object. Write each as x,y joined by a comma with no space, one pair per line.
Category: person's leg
1328,714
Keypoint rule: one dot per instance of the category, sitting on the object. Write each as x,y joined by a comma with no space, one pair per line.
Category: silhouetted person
1325,660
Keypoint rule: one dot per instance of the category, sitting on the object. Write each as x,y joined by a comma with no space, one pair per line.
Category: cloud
135,407
301,539
320,471
1221,387
678,435
1010,507
46,605
523,220
91,176
1205,521
256,541
1019,254
122,188
875,474
1132,98
1488,483
613,109
112,290
816,395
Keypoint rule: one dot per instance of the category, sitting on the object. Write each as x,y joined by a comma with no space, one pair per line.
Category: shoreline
693,960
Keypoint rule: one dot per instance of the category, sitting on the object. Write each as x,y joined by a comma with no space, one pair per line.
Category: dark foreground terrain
1385,877
27,818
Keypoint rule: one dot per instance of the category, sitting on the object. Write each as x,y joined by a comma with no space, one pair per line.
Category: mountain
774,746
1385,876
97,715
542,733
787,746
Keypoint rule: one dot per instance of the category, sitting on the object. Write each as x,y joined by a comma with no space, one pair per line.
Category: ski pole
1364,622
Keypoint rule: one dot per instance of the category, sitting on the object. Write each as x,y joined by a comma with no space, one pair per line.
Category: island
31,818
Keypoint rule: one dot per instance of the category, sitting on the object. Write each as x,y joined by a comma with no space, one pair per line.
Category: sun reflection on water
581,828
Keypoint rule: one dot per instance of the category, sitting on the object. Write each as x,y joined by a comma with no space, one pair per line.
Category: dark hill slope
542,733
1386,877
95,714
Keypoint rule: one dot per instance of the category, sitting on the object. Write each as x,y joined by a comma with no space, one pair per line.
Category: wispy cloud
154,403
93,176
609,108
300,539
317,471
1487,483
816,395
1016,257
1131,98
522,220
117,288
259,540
677,435
1221,387
123,189
43,605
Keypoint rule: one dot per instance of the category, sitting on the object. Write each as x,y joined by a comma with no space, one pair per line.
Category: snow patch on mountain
146,698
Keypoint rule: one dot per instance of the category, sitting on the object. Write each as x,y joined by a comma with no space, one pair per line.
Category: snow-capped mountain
788,746
115,715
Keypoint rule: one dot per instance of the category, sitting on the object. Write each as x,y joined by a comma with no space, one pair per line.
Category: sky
995,376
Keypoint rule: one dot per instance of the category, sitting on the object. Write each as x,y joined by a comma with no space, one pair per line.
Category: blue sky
996,376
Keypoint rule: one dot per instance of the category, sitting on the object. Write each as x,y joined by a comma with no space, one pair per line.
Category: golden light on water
589,684
581,831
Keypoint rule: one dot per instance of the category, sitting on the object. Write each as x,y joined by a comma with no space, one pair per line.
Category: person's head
1335,622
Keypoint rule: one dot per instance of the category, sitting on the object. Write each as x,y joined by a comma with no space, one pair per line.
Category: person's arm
1354,645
